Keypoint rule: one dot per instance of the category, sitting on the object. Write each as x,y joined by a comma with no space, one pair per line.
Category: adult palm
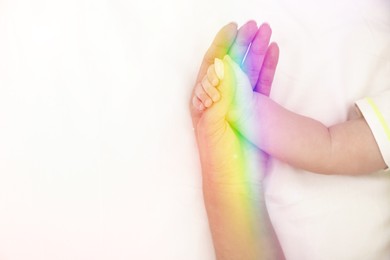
232,167
248,46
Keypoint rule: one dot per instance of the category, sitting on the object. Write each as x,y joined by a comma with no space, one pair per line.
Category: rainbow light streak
231,173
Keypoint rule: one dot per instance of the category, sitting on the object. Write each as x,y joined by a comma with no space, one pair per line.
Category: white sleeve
376,111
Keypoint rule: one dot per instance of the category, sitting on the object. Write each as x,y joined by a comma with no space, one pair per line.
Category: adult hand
233,197
248,46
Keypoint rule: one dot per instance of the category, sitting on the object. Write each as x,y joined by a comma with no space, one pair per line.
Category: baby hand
206,92
226,84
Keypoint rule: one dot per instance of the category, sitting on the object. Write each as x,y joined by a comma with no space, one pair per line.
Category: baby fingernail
201,107
208,103
219,68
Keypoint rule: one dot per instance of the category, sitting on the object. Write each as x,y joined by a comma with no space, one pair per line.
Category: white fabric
376,111
332,54
97,155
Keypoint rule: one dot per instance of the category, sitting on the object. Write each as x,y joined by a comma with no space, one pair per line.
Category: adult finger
244,37
256,53
267,72
219,47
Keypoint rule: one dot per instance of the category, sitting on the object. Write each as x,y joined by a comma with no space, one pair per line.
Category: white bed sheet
97,155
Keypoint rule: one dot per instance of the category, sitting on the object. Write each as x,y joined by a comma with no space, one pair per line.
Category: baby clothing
376,111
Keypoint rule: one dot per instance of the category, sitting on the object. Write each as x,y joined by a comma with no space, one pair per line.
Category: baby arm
345,148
